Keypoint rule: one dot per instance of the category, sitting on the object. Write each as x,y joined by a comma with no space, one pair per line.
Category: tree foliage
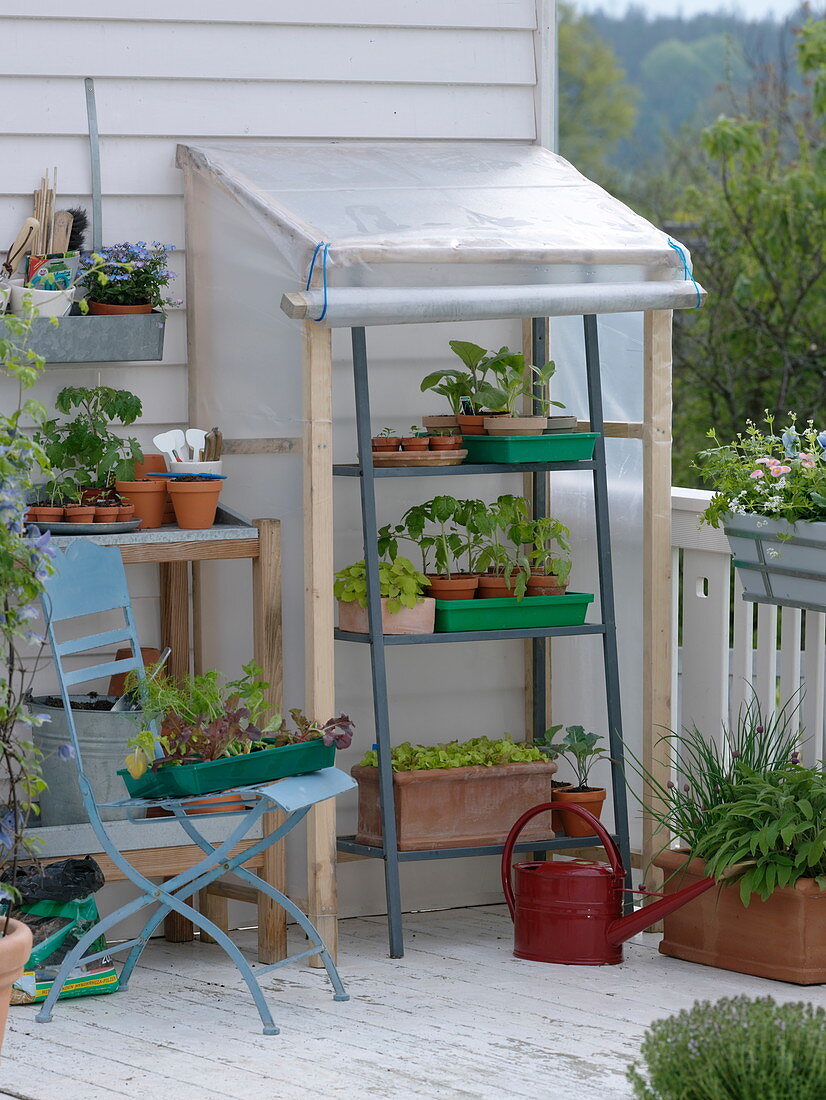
760,204
597,106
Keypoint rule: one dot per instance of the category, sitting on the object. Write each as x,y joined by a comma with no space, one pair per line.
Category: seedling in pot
581,751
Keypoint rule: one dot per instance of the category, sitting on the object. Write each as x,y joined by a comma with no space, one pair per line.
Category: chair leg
214,908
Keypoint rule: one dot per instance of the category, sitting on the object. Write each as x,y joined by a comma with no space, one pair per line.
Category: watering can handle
600,830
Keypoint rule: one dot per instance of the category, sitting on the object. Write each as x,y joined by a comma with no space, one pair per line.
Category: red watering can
571,912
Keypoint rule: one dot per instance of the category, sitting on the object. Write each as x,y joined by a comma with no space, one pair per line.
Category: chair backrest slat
94,641
108,668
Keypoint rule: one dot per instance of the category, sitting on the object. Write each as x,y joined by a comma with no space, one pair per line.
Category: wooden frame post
266,617
319,696
657,569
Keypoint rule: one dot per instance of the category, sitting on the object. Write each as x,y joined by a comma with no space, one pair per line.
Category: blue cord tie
318,248
687,272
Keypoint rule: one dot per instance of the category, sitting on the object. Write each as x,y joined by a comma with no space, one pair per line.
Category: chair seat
293,793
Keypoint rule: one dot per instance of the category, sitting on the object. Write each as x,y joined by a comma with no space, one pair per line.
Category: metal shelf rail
377,641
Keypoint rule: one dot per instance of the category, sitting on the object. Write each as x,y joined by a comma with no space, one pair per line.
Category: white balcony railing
724,644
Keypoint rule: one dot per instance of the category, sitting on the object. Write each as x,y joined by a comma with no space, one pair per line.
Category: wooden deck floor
457,1017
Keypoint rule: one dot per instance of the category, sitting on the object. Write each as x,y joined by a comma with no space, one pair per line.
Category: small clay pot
109,309
126,512
149,656
107,513
492,587
445,442
592,798
556,817
48,513
561,424
31,515
386,442
545,584
440,423
515,425
195,502
461,586
148,498
415,443
79,513
471,425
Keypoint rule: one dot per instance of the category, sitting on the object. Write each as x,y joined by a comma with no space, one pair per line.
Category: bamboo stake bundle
43,211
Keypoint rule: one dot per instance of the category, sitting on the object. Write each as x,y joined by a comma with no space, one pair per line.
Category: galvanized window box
87,339
779,562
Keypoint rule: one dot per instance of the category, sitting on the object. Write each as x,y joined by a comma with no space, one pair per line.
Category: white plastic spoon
172,444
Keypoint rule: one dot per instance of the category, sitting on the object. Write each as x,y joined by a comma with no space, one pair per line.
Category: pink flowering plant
766,473
130,275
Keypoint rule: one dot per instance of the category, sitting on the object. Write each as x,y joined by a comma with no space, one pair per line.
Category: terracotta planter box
407,620
456,807
783,938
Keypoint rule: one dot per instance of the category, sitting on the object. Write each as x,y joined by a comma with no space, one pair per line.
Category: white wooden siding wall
168,70
726,648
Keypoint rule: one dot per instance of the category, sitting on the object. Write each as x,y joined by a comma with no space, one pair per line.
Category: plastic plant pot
511,614
45,303
195,502
515,425
148,498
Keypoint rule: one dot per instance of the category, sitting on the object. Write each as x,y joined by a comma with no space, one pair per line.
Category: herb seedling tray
511,614
560,447
211,776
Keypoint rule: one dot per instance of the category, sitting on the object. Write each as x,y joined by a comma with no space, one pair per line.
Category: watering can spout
624,928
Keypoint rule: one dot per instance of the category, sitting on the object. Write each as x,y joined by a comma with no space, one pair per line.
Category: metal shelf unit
378,641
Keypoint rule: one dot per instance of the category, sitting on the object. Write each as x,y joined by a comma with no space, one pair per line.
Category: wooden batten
317,368
657,567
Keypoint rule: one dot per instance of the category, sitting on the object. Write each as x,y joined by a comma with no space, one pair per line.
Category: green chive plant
734,1049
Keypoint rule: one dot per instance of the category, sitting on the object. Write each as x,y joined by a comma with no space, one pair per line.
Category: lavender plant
130,274
782,476
736,1049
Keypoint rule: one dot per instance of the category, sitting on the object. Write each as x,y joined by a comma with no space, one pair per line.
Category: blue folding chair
91,579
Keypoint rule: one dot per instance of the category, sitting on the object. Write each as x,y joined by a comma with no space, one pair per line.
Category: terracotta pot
783,938
556,817
420,619
148,498
445,442
106,513
515,425
440,422
495,588
545,584
461,586
108,309
149,656
456,807
32,515
15,948
225,803
195,502
89,496
126,512
47,513
149,464
415,443
591,800
79,513
471,425
386,442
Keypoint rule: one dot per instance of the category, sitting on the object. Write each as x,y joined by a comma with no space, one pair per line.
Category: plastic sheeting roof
429,202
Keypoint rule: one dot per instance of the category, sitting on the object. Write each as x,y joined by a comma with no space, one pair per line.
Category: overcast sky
754,8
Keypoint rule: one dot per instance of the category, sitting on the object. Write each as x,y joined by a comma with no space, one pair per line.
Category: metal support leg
606,595
377,652
540,508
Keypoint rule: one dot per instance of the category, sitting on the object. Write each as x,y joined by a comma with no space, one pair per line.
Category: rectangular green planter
212,776
564,447
511,614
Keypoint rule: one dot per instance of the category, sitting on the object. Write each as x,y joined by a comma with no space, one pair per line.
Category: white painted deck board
457,1017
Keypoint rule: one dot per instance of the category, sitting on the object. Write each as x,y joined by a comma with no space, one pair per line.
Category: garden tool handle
600,830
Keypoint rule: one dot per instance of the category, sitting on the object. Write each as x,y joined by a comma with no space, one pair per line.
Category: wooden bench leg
178,929
214,908
272,919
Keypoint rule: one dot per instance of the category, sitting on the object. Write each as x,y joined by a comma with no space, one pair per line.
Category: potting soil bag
56,927
56,903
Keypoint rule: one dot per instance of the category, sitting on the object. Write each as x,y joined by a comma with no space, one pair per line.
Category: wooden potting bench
179,555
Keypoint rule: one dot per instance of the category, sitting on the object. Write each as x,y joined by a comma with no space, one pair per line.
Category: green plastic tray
511,614
210,776
561,447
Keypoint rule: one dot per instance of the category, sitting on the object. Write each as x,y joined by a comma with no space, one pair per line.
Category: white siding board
364,13
210,109
184,51
126,217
